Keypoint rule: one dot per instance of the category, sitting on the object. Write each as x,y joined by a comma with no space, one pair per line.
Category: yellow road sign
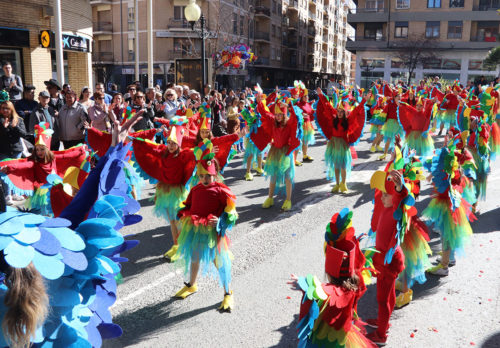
45,38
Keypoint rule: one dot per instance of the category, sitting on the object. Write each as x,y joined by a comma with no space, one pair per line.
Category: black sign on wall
14,37
70,42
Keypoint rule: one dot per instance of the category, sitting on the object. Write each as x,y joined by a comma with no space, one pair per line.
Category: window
273,30
487,31
235,23
433,3
179,12
401,29
456,3
131,46
452,64
476,64
373,32
273,53
432,29
374,5
130,18
455,29
242,21
485,5
402,4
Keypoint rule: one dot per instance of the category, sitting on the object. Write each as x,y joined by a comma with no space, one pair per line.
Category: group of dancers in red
188,165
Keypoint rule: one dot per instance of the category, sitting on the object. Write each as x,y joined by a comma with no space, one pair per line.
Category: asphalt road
461,310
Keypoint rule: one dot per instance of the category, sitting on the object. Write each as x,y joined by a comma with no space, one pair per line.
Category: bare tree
414,51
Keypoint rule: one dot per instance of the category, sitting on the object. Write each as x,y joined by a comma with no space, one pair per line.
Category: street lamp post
192,12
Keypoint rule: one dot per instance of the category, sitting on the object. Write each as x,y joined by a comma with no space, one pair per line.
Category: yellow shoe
287,205
433,130
298,163
399,285
404,298
343,188
268,203
169,255
307,159
259,171
379,149
382,157
335,188
373,149
187,290
227,303
248,176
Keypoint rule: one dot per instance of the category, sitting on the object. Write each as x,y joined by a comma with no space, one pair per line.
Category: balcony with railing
262,61
262,11
312,16
261,36
311,30
368,14
102,27
293,5
364,43
175,23
100,57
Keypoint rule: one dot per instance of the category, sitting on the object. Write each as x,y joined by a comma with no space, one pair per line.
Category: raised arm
324,115
356,122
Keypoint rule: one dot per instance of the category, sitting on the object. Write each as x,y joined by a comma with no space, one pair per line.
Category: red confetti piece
412,335
481,271
487,259
480,245
472,344
434,329
480,275
491,241
460,309
288,297
444,298
489,299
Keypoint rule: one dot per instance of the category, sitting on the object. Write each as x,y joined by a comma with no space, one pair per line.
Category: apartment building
27,41
293,39
462,31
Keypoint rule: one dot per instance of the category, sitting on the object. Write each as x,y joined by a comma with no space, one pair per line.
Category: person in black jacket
25,106
139,103
12,129
11,83
44,113
56,99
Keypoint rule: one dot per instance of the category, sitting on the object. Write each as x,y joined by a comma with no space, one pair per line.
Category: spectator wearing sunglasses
138,104
131,91
171,103
98,113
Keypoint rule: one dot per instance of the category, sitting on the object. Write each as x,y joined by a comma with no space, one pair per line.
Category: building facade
462,32
23,24
292,39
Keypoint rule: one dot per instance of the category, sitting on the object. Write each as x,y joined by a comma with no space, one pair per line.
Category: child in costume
448,211
300,92
328,311
414,241
172,167
341,129
284,134
416,122
58,274
209,213
389,260
446,114
32,176
391,127
377,121
252,156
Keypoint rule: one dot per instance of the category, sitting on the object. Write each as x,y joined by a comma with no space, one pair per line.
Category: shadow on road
487,222
153,243
492,342
288,334
147,320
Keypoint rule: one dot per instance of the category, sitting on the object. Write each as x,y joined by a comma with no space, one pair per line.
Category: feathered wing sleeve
228,218
295,124
163,121
189,162
72,157
405,113
21,177
225,153
98,141
148,157
324,117
356,122
435,92
145,134
188,141
263,135
428,107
